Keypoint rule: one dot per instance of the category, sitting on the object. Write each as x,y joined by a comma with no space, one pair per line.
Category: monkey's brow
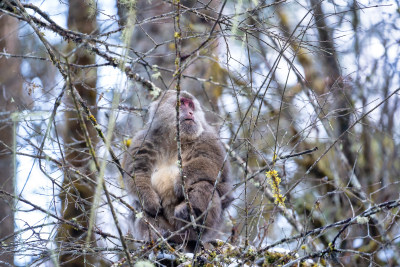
186,99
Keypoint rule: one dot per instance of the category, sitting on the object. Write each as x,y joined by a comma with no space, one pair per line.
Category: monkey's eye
187,102
191,105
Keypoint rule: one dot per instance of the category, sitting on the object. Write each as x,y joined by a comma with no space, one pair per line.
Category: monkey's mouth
189,121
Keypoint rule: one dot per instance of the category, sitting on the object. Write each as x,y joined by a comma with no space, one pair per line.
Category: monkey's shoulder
145,138
208,141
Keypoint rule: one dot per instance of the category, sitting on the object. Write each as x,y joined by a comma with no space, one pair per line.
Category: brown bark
77,194
336,83
10,95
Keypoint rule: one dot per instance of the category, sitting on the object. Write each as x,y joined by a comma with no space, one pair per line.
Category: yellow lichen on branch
274,181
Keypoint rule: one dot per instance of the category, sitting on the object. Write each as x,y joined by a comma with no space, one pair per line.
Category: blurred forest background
304,93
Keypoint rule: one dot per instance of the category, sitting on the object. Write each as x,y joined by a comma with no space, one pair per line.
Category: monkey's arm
201,170
201,167
139,164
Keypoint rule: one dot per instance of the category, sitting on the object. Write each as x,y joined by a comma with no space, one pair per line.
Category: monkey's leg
200,195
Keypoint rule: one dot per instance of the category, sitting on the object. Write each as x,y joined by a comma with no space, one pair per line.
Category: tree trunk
10,94
77,194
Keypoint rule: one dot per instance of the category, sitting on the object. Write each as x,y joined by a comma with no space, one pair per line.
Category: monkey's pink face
191,125
187,110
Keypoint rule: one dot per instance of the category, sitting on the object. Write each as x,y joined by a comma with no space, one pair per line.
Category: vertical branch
246,208
178,76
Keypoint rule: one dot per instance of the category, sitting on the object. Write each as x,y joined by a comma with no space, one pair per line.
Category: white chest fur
163,180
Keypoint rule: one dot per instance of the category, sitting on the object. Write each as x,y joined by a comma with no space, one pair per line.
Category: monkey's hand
181,212
151,203
178,190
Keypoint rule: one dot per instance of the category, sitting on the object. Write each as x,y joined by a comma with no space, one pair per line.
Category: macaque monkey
154,180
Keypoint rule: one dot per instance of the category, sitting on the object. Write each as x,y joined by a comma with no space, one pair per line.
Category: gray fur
151,160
